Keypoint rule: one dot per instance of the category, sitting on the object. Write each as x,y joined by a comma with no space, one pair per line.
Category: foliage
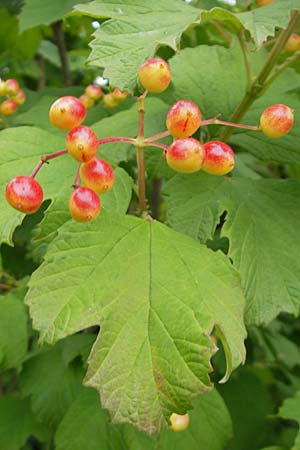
188,304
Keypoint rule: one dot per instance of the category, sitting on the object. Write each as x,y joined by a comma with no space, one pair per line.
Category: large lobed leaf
290,410
262,225
157,295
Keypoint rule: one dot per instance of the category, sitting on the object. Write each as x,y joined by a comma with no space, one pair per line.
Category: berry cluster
14,96
94,93
26,195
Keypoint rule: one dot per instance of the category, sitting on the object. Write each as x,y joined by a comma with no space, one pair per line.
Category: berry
82,143
98,175
67,112
12,86
179,422
24,194
93,91
293,43
185,155
109,100
218,159
183,119
20,97
264,2
155,75
8,107
3,88
276,120
84,204
119,95
87,101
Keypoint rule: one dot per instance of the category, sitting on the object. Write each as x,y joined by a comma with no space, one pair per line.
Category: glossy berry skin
93,91
20,97
82,143
3,88
24,194
119,95
183,119
276,120
84,204
109,100
264,2
179,422
219,158
87,101
8,107
98,175
293,43
67,112
185,155
155,75
12,86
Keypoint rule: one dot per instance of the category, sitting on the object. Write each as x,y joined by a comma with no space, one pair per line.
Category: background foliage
221,261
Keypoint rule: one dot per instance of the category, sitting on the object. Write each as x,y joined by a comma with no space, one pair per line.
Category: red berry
119,95
8,107
109,100
93,91
276,120
185,155
84,204
98,175
87,101
264,2
24,194
179,422
183,119
218,159
67,112
20,97
12,86
155,75
82,143
293,43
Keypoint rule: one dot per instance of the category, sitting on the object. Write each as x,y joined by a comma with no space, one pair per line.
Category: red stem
216,121
76,182
45,159
158,136
156,144
116,139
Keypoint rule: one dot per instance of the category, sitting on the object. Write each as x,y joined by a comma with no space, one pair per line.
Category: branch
45,159
243,43
61,45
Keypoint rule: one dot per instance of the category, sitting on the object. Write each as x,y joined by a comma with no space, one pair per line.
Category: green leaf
291,410
116,272
134,33
13,329
262,223
33,15
52,380
17,423
202,433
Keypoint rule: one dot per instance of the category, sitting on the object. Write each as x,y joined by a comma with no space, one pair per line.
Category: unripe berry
218,159
8,107
24,194
67,112
3,88
93,91
82,143
12,86
179,422
98,175
155,75
87,101
185,155
110,101
264,2
20,97
293,43
84,204
183,119
276,120
119,95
